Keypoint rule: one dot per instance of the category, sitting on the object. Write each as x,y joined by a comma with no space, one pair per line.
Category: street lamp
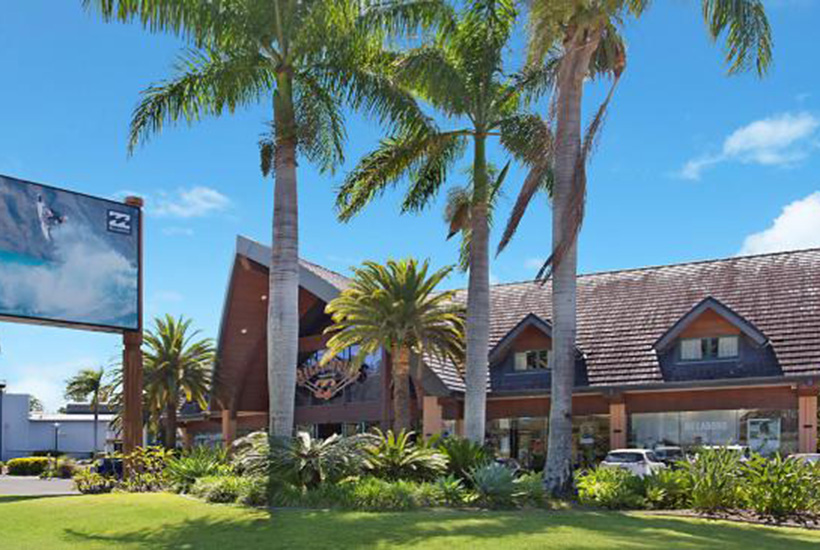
56,438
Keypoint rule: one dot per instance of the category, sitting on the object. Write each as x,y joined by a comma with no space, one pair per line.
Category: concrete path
34,486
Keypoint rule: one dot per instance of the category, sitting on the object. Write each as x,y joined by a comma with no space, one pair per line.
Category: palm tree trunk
283,307
96,424
401,389
558,469
171,425
478,302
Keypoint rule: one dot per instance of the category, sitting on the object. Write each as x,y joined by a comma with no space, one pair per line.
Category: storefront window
765,431
525,439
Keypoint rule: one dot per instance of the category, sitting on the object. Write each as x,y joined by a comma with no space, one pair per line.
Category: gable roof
320,281
531,320
707,304
622,314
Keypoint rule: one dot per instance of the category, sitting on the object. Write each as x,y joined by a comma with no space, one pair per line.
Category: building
24,433
711,352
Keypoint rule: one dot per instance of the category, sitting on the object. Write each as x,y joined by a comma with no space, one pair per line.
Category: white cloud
534,263
49,384
176,230
798,226
780,140
190,203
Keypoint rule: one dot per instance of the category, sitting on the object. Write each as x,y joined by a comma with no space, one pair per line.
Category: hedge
29,466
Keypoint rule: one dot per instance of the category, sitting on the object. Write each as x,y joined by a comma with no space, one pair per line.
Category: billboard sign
68,259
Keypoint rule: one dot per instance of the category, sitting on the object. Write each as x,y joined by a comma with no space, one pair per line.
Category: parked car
669,455
641,462
806,458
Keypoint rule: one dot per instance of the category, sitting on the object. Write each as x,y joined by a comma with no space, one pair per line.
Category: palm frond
747,31
207,84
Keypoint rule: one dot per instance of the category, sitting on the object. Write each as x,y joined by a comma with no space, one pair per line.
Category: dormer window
532,360
709,349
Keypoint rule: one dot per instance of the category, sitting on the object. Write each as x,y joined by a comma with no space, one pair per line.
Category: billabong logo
119,222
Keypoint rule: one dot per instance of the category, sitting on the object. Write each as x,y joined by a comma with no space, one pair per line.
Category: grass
160,521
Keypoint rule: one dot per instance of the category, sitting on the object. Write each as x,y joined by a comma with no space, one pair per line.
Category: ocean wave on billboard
87,282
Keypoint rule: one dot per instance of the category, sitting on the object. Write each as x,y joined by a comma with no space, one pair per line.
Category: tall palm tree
307,58
580,40
89,384
395,307
177,370
461,75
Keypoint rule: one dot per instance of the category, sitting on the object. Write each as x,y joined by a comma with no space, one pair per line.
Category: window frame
713,341
526,354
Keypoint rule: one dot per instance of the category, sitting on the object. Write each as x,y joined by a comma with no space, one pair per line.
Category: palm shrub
394,456
494,485
308,462
464,456
613,488
778,488
452,490
714,480
201,461
251,454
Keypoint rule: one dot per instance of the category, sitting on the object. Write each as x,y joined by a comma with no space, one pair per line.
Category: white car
807,458
641,462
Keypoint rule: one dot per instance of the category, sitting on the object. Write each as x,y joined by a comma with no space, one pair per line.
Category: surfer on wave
49,219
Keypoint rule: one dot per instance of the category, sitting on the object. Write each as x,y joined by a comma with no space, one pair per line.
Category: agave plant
395,456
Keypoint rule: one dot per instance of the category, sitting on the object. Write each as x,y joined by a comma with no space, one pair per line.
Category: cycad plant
177,369
578,41
396,307
395,456
305,59
463,77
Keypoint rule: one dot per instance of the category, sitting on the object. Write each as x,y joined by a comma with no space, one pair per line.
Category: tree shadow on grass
309,530
7,499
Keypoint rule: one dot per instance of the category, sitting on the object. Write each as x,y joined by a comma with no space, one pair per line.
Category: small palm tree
303,58
89,384
395,307
461,75
177,369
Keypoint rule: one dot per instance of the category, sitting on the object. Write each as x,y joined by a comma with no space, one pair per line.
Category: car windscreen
624,458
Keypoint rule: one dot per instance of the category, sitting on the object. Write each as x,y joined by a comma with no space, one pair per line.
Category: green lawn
167,521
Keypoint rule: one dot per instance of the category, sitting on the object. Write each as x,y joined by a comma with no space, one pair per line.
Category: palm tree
395,307
89,382
177,369
307,58
579,40
462,76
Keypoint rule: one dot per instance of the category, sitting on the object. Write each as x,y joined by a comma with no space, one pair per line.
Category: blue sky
692,164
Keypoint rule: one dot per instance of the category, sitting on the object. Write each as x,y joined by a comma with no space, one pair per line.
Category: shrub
202,461
494,485
91,483
62,468
613,488
395,457
251,454
667,489
28,466
379,494
778,488
149,469
714,480
452,491
463,456
220,489
529,489
254,492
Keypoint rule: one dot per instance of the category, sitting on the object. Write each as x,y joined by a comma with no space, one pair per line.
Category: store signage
326,381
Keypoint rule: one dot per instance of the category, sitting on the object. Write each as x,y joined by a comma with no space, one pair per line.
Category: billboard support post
132,365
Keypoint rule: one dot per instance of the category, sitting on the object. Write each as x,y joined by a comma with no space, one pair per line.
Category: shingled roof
622,314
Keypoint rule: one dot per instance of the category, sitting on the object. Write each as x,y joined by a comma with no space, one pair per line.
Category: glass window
705,349
532,360
624,458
